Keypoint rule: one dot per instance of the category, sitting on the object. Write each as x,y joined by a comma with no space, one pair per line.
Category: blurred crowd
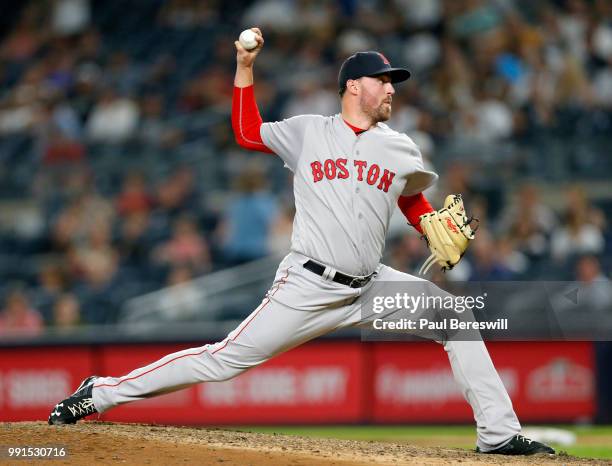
107,112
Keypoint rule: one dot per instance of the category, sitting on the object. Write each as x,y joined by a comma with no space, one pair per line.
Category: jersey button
360,215
357,189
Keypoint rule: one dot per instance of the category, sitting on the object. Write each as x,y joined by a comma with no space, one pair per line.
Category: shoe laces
82,407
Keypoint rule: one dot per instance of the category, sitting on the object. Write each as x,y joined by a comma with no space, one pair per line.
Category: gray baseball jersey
346,186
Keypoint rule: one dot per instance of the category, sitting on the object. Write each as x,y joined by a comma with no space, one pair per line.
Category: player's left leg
272,328
497,423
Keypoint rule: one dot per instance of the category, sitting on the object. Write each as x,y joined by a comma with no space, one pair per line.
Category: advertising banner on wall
546,381
320,382
32,380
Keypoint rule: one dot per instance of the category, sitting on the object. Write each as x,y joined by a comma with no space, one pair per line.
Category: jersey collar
355,129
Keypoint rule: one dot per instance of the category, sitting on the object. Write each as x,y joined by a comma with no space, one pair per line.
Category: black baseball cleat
76,406
520,445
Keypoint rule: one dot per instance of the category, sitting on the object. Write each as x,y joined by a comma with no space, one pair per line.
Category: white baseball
248,39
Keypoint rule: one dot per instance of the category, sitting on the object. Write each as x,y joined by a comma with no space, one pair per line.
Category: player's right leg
498,428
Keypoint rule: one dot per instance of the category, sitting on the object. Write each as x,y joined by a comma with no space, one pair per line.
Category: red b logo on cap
384,59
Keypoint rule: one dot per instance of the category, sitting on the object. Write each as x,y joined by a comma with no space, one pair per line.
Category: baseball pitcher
350,172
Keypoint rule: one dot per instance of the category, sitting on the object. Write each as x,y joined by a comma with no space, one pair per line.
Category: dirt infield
135,444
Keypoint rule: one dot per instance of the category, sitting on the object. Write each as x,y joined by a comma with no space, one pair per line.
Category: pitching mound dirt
134,444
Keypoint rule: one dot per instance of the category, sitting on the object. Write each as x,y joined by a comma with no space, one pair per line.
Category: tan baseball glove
447,232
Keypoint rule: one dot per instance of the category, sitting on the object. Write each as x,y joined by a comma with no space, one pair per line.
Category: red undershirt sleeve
413,207
246,120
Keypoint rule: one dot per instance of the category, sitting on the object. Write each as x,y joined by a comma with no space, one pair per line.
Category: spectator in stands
89,46
488,119
84,93
19,113
510,258
122,74
573,23
63,118
487,265
66,312
573,89
581,232
310,97
248,220
577,236
113,119
17,317
95,272
601,54
58,130
186,247
58,187
60,67
178,193
183,299
530,239
50,285
576,200
589,313
529,221
407,253
70,16
312,76
154,130
67,227
161,74
96,256
452,81
459,178
407,118
134,197
135,242
27,36
187,14
588,270
78,218
274,15
211,89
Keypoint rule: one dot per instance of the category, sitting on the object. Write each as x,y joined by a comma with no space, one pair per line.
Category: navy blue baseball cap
369,64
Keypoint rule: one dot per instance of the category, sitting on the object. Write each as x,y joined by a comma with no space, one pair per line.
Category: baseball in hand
248,39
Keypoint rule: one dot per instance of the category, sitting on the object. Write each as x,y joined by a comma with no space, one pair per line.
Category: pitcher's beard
377,114
384,112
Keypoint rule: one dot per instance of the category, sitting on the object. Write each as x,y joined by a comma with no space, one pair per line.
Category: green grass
591,442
